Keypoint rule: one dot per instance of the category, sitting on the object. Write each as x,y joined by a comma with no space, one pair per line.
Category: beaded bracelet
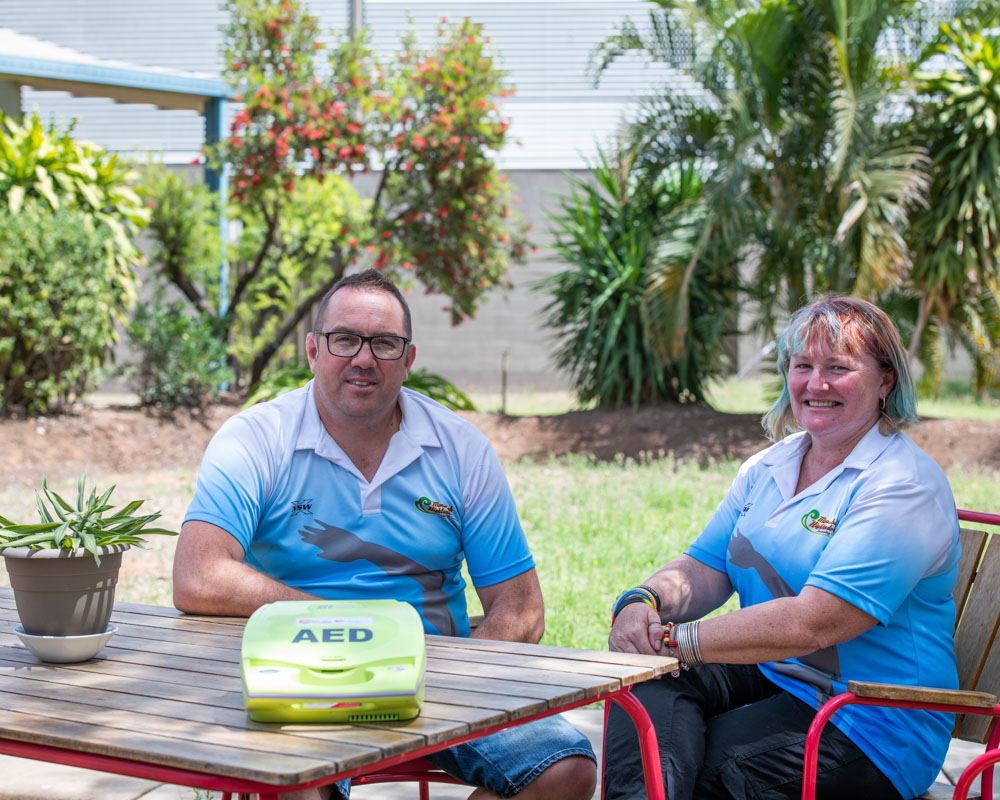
653,594
640,594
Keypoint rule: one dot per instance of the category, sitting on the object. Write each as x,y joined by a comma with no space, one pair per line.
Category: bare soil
124,439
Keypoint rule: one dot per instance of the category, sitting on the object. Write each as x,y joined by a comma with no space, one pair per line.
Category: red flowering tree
426,125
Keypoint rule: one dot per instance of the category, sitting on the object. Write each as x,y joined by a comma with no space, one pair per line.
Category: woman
842,543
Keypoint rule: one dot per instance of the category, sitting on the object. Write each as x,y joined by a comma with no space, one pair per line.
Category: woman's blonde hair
855,327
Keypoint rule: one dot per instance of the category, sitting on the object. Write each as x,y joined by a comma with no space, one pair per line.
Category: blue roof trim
114,76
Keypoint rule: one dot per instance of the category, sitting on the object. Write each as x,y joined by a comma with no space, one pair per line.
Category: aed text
333,635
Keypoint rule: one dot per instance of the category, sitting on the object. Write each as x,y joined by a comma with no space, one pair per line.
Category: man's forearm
512,625
514,610
231,588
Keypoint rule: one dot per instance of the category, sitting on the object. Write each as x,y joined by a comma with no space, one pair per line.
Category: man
354,487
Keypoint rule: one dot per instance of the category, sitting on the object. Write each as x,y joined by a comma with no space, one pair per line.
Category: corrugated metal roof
544,45
48,66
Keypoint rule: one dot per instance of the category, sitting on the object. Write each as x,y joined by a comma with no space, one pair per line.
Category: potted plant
64,569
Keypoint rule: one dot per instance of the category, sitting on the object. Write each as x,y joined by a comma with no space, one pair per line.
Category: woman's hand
637,629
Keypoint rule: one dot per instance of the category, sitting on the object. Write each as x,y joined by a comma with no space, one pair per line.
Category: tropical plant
425,120
957,238
85,525
610,343
52,167
181,359
808,175
438,388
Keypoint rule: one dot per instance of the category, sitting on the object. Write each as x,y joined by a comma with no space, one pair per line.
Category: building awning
46,66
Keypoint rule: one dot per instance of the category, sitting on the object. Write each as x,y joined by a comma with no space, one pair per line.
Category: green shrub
182,359
60,296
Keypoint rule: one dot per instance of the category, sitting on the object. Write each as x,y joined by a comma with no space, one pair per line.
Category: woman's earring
882,404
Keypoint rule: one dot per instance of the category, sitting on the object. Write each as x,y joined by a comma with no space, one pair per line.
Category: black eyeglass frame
364,340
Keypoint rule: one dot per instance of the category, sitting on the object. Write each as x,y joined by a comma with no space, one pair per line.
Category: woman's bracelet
684,638
640,594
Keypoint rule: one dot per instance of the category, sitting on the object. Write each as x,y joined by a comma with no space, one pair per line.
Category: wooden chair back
977,600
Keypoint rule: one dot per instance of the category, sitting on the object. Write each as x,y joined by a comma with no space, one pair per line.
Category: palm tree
956,240
809,176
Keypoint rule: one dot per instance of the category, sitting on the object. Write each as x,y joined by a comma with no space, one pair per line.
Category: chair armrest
922,694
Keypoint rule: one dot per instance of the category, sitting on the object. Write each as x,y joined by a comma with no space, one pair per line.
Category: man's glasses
384,346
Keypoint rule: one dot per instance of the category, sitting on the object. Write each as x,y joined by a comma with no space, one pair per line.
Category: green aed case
333,661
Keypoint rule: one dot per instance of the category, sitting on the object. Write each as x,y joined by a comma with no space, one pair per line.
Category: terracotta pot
63,592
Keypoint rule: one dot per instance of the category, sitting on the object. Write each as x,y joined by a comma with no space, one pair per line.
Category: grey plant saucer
65,649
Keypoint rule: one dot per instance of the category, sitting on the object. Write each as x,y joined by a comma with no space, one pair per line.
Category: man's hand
637,629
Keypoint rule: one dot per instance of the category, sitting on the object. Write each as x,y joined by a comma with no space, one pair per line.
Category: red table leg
649,749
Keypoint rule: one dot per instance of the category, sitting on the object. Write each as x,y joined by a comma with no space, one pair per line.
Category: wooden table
163,702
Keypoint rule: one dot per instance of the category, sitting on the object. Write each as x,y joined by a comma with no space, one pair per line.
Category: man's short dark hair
369,280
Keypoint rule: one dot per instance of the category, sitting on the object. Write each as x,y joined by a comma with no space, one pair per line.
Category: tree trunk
923,314
266,353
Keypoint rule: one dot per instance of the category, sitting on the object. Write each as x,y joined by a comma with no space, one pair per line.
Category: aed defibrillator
333,661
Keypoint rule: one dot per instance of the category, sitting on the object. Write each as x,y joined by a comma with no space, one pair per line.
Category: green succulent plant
67,527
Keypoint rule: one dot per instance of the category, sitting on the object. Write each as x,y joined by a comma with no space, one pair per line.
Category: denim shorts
508,760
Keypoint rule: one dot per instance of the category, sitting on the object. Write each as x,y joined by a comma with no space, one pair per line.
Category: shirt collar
785,459
415,425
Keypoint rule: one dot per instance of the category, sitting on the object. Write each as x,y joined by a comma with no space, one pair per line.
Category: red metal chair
975,702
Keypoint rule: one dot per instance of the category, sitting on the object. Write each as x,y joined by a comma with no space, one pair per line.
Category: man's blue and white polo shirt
275,479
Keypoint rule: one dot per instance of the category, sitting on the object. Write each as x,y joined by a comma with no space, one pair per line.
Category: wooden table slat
658,664
597,668
204,756
123,670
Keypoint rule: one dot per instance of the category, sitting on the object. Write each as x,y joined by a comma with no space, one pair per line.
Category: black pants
725,731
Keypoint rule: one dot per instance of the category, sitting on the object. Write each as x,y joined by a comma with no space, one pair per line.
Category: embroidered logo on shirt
429,506
814,522
302,507
746,508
